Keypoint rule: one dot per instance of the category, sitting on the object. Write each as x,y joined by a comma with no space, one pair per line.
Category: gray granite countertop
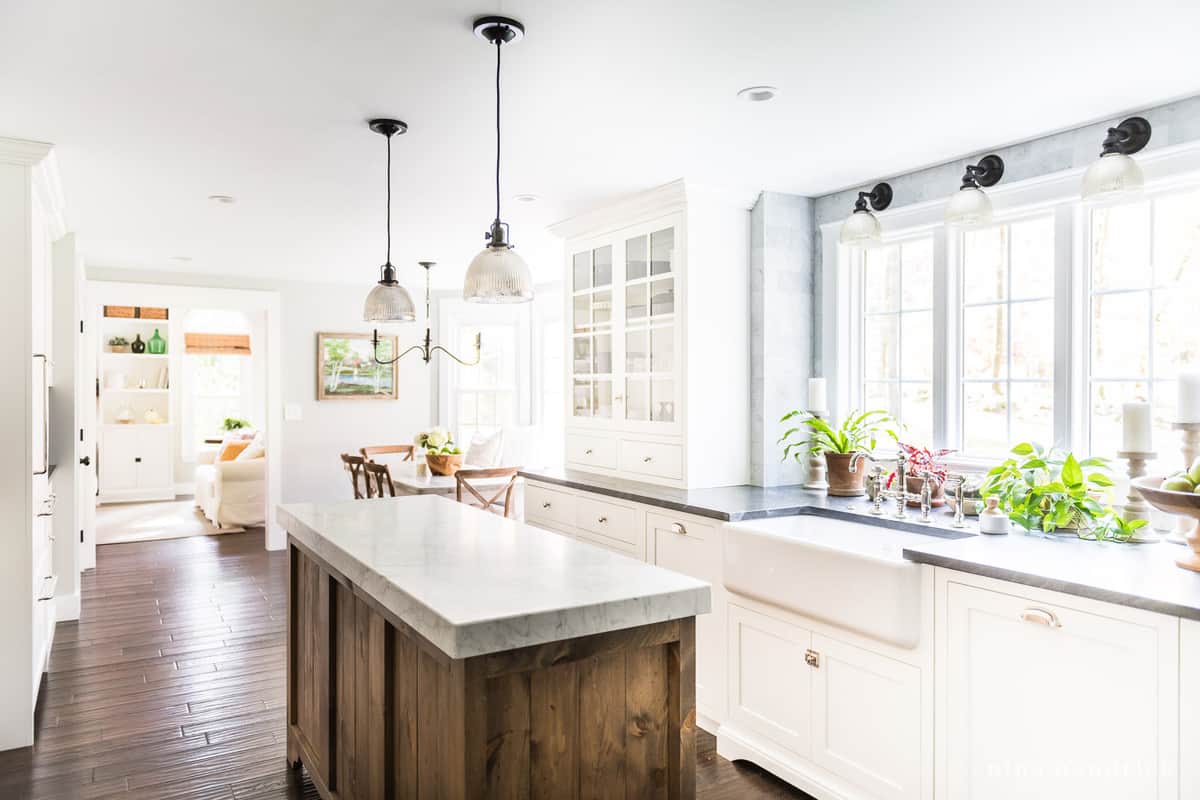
1137,575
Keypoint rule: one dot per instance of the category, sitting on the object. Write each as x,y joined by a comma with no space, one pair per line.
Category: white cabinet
693,547
135,463
658,339
1050,695
1189,708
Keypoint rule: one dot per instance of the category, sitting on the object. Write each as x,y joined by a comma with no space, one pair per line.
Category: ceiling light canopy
388,300
970,206
1115,174
498,274
861,228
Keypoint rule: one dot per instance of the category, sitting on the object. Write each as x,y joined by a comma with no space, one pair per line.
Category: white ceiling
155,105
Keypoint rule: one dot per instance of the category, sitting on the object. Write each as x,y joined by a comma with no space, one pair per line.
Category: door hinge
81,326
812,658
81,434
81,536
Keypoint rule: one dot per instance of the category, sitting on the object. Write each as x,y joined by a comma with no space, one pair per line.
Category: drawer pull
546,504
812,658
1040,616
602,520
647,459
677,527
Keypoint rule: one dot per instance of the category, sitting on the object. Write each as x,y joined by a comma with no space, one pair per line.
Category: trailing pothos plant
859,432
1049,489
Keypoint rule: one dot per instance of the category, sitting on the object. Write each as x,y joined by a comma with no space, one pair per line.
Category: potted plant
118,344
441,454
234,424
843,447
920,461
1048,490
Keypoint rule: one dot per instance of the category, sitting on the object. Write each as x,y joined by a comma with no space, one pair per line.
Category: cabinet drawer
591,451
652,458
547,505
609,520
615,545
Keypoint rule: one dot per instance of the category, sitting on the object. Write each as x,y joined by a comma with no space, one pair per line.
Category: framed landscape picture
346,368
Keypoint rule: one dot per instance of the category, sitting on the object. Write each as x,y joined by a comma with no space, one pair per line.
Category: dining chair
355,465
405,450
463,480
382,476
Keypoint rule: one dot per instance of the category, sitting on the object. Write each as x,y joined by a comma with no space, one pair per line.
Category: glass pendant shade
1111,175
498,275
389,302
968,208
861,229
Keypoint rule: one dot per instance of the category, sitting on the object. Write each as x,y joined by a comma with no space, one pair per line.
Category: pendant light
427,348
388,301
970,206
498,274
1115,174
861,228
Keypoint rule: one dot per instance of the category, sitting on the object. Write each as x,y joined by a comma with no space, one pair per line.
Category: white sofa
231,493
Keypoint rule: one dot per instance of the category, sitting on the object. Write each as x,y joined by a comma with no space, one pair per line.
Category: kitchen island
435,650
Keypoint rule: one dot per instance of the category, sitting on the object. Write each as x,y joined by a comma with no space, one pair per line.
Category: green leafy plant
860,431
1049,489
118,341
234,423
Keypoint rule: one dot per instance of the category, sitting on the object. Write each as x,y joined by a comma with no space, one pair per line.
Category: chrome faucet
856,459
901,490
926,496
960,482
876,488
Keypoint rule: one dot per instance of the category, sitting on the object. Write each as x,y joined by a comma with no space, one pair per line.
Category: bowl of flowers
441,453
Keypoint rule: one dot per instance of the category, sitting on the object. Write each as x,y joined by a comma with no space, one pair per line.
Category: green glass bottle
156,345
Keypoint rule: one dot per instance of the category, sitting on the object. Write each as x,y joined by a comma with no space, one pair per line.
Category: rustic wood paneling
508,735
554,732
647,694
602,727
404,716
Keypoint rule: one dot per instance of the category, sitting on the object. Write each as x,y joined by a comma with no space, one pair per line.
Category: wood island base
377,711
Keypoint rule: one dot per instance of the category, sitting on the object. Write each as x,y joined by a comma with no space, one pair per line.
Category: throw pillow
485,450
231,450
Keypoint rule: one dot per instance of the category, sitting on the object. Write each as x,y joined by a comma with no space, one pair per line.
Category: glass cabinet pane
582,267
637,398
602,266
583,355
636,357
635,301
582,399
662,251
662,297
662,349
601,307
602,399
582,312
662,400
635,258
602,354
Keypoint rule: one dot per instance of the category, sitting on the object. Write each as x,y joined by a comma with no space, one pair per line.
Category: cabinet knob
546,504
677,527
137,460
602,520
1040,616
812,658
587,452
647,459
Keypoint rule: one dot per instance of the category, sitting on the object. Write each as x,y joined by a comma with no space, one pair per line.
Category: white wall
311,470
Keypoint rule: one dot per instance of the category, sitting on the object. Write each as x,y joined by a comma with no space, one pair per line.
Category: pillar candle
817,399
1188,409
1137,435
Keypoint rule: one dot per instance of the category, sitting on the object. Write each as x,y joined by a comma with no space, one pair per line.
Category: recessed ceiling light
223,199
757,94
525,198
181,258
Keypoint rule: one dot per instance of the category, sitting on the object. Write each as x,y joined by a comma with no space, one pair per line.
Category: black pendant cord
388,259
499,42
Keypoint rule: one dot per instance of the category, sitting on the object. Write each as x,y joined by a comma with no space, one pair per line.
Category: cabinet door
867,719
693,548
1189,705
118,449
651,333
1048,701
592,333
770,685
154,468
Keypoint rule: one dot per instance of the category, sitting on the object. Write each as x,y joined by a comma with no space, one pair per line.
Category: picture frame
346,369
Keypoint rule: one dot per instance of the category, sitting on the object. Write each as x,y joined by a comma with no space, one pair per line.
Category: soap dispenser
992,519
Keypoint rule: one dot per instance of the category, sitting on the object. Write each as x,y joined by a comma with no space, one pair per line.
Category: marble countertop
474,583
729,503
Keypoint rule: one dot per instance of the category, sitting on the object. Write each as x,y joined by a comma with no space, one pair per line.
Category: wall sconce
1115,173
970,206
861,228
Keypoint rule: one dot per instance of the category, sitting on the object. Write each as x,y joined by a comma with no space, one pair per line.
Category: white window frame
1166,169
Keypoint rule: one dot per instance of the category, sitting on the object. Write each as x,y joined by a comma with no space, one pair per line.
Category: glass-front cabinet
625,335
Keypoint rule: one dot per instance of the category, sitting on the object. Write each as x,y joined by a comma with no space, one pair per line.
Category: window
485,395
1144,294
897,334
1007,324
220,389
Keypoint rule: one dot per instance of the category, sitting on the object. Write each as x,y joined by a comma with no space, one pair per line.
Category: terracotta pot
843,482
914,483
444,464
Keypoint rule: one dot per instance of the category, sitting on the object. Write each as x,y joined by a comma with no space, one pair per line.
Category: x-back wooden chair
355,465
382,478
405,450
462,481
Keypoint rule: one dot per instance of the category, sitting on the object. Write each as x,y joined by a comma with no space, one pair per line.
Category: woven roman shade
236,344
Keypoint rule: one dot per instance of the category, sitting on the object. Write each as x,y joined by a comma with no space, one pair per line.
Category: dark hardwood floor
171,685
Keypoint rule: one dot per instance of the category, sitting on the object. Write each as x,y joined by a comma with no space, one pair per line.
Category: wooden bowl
1183,503
444,464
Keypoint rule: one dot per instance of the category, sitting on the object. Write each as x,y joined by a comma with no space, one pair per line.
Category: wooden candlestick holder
816,479
1135,506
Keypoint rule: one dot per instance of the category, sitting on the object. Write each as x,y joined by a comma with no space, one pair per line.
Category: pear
1178,483
1194,473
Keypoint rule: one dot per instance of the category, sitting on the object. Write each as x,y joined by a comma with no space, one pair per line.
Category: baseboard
185,489
707,723
67,607
799,772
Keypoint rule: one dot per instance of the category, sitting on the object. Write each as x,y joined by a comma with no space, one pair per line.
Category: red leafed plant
922,460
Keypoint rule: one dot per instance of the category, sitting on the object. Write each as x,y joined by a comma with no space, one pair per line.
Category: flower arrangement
438,442
922,460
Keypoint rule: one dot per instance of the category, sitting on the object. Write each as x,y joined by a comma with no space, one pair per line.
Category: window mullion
945,373
1071,358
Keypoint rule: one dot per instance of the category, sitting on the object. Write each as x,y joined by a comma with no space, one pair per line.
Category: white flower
438,437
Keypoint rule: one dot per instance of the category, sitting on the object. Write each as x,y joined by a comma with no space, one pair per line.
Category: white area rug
141,522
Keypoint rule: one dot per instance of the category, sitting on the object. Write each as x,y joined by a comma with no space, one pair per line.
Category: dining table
413,477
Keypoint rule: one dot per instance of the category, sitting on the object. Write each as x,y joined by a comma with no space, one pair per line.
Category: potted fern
843,447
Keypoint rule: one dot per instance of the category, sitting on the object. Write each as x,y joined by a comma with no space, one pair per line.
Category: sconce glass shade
861,229
968,208
389,302
498,275
1111,175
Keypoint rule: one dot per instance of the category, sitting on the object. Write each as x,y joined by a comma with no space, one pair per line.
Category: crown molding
23,152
